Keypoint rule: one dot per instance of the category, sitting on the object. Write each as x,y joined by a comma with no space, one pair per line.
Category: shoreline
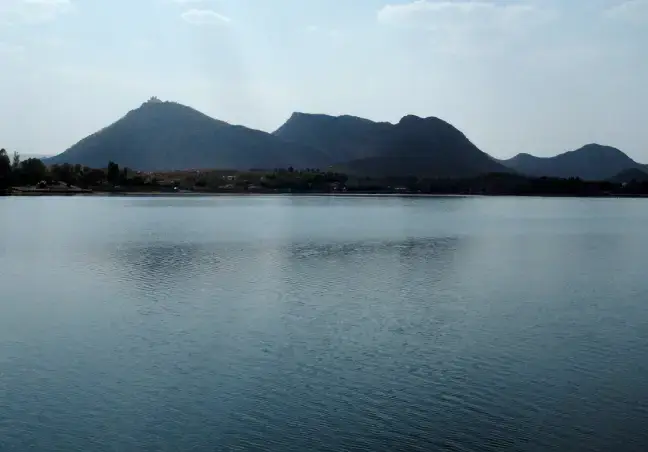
189,194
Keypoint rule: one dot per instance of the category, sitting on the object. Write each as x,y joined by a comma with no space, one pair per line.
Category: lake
323,324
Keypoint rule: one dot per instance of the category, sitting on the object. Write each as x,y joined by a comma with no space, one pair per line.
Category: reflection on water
323,324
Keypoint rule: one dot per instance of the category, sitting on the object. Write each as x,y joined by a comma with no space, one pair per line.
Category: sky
536,76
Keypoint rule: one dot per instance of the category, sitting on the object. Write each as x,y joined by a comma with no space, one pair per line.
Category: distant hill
630,175
341,138
24,157
170,136
415,146
167,136
591,162
425,147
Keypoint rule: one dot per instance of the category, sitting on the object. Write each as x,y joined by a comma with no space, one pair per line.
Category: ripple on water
253,324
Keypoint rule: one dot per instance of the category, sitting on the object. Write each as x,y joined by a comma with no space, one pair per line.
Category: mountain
591,162
413,147
341,138
425,147
24,157
630,175
166,135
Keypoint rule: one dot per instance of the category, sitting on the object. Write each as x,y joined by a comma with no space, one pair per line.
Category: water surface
323,323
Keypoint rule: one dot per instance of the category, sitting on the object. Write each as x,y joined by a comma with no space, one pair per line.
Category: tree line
501,184
15,172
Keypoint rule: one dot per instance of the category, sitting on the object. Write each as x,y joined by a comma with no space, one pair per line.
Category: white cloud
33,11
631,10
468,27
204,17
458,14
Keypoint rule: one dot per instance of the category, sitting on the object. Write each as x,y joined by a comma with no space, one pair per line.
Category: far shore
194,194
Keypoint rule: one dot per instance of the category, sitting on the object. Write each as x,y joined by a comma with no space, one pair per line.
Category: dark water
323,324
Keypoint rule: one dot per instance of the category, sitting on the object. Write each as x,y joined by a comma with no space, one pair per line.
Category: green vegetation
307,180
14,172
33,175
498,184
5,170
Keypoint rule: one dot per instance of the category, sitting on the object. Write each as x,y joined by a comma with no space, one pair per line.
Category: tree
5,170
32,171
64,173
15,162
113,173
92,177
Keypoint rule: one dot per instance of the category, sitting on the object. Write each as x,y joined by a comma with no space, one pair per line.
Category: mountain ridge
592,161
342,138
413,146
168,135
161,135
426,147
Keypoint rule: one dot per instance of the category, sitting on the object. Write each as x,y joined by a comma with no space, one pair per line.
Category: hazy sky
539,76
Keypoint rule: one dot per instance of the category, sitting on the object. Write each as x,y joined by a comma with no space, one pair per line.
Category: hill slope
591,162
427,147
341,138
414,147
630,175
166,136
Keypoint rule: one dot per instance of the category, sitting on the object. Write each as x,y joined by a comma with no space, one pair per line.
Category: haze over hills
166,136
591,162
170,136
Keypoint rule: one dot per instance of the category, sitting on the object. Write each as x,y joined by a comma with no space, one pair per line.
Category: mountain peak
154,101
429,120
298,116
342,138
167,135
413,124
600,148
591,162
412,121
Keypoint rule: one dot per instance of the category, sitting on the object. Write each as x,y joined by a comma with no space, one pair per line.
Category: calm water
323,324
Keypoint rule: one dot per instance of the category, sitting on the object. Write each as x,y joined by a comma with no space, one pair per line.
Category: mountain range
170,136
591,162
413,147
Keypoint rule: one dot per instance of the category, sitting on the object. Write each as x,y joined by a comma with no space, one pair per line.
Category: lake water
323,324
